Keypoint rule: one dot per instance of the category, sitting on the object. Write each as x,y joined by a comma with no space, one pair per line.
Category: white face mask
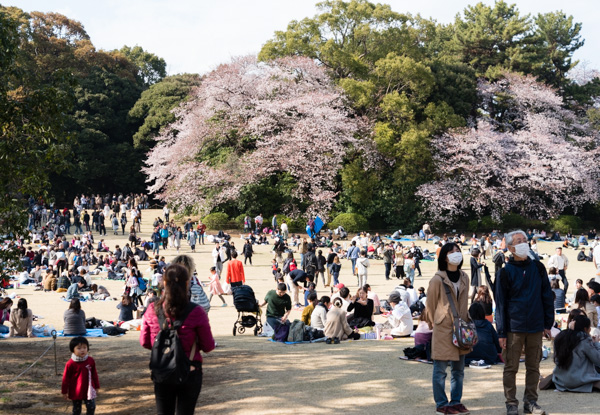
455,258
522,250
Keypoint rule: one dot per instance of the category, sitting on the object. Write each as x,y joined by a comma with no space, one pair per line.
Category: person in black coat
247,251
476,279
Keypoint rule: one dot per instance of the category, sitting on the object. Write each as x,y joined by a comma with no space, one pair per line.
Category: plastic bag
226,288
267,331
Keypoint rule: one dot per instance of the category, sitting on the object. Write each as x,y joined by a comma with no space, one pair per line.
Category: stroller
248,311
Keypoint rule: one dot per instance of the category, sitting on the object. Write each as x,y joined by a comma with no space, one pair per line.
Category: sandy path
252,375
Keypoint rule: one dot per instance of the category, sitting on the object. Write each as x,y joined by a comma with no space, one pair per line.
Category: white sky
196,35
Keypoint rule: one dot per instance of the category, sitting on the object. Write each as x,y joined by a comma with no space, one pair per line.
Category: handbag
464,335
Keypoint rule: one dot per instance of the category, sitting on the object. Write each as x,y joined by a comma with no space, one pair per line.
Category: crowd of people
513,308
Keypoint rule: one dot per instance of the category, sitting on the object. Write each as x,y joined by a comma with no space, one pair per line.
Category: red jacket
235,271
195,326
76,378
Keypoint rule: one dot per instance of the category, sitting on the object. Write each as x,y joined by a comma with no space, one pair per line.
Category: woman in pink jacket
195,329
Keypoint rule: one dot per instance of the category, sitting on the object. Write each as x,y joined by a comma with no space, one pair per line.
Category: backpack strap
451,301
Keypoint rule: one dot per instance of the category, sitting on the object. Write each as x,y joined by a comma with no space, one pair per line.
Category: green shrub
216,221
352,222
473,225
239,221
565,223
294,225
513,221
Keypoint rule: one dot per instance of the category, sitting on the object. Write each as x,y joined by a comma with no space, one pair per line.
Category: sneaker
512,410
533,408
328,340
336,340
446,410
224,305
461,409
480,364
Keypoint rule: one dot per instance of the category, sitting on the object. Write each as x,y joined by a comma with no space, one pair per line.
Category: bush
565,223
294,225
239,221
352,222
216,221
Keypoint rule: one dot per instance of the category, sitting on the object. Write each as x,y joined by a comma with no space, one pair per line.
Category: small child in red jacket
80,379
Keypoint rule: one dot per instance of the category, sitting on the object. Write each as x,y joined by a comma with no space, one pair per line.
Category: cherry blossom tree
526,154
248,121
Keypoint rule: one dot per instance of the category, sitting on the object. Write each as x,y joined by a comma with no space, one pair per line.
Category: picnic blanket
88,333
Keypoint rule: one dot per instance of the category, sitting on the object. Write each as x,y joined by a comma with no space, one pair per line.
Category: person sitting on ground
73,291
336,327
419,306
127,307
308,310
559,297
64,282
582,301
318,317
74,319
99,292
488,346
363,310
576,355
50,280
400,319
279,306
372,296
21,320
484,298
581,256
5,306
423,333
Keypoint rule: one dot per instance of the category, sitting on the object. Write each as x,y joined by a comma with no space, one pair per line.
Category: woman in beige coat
337,326
440,319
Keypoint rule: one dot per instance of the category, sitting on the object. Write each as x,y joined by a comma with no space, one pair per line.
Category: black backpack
168,363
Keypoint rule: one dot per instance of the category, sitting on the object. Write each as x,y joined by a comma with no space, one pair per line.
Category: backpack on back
142,283
168,363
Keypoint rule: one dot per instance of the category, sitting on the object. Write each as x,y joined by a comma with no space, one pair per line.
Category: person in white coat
400,318
362,266
219,256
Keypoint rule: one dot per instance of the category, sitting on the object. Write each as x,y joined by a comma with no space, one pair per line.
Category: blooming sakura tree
248,121
527,154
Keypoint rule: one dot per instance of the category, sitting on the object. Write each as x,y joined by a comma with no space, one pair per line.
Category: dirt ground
247,374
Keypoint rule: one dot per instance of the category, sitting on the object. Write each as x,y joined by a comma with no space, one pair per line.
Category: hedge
216,221
352,222
565,223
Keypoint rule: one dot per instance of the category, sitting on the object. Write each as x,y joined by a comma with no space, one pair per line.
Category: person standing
219,256
352,254
201,232
524,312
284,231
449,282
166,213
476,266
388,259
235,271
560,262
274,223
194,333
247,251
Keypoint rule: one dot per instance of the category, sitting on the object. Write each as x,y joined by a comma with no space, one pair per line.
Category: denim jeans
353,260
4,329
457,374
388,269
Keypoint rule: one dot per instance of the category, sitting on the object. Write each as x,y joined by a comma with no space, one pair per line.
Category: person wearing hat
400,318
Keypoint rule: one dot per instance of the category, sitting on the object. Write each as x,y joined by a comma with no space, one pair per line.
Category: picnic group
476,320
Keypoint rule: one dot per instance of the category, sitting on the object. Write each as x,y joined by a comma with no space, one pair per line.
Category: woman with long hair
582,301
194,333
21,320
74,319
575,355
484,298
448,282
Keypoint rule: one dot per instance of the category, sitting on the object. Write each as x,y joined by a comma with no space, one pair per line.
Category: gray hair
510,236
186,261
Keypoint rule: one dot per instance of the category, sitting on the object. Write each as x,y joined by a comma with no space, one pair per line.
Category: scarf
91,393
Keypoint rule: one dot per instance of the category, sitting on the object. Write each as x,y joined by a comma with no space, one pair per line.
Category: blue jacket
353,252
524,300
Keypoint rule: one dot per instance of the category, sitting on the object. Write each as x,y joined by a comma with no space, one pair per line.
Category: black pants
248,258
180,397
400,272
563,276
236,284
90,407
388,269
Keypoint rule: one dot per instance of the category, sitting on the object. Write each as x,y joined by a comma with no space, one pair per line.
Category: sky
195,36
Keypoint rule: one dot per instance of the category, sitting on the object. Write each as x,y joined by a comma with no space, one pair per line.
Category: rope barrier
38,359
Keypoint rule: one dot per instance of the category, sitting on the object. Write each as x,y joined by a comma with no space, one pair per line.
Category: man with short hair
524,312
296,277
560,262
279,306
